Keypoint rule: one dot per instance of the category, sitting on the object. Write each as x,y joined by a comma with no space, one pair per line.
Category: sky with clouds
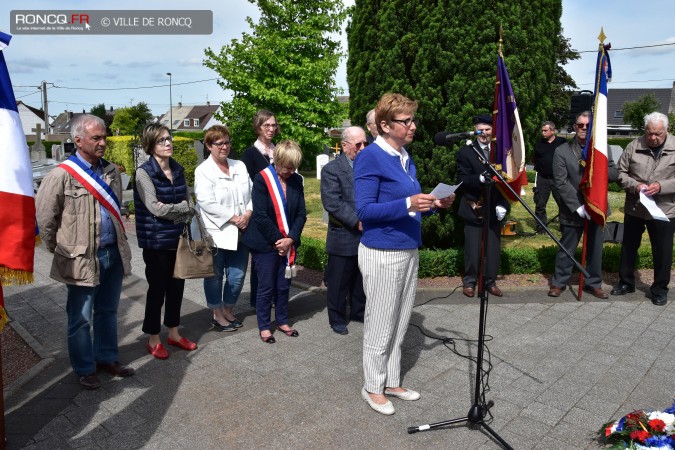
71,63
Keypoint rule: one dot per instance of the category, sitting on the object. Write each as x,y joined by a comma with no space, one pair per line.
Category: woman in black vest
162,208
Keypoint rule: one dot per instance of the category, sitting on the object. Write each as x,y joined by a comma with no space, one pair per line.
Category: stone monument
37,150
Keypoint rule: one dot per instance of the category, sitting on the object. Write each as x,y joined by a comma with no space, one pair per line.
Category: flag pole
590,139
583,261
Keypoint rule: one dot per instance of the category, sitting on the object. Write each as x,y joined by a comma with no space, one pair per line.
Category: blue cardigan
381,187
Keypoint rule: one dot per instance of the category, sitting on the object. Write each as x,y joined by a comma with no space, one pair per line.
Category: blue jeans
273,287
230,265
102,300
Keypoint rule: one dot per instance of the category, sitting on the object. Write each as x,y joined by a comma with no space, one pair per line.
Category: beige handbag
194,258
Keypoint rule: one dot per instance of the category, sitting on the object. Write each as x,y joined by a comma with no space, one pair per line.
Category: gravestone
199,149
615,151
57,152
321,160
37,150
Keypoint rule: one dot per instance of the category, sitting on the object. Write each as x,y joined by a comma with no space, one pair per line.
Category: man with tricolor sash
78,213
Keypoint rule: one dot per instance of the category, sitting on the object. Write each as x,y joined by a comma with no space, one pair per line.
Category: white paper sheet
649,203
444,190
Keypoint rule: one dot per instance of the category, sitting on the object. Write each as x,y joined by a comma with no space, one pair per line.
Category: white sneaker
408,394
386,409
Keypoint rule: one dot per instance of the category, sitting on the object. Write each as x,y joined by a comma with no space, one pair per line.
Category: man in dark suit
471,173
343,277
568,169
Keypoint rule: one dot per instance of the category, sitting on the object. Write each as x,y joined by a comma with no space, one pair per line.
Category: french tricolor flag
17,205
595,179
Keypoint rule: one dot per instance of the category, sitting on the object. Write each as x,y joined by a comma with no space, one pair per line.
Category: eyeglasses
221,144
272,126
583,126
165,140
358,144
407,122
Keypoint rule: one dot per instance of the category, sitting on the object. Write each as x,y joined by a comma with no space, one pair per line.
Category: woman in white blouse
223,191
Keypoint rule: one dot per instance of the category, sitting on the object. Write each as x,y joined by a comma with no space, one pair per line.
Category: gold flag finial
601,36
501,31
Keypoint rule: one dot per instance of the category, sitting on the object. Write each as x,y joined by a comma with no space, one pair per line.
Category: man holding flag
568,169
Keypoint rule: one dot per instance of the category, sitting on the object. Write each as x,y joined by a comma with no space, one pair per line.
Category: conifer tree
443,53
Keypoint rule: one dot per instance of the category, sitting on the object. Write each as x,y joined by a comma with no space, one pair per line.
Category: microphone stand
479,409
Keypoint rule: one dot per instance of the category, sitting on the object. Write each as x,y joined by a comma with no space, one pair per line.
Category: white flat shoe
408,394
387,409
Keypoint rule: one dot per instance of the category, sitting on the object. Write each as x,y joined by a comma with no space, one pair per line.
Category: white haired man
648,166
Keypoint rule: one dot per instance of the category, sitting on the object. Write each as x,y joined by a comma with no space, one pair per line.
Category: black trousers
661,238
473,240
345,287
542,193
163,290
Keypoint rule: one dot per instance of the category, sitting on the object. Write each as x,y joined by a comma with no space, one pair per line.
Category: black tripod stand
479,409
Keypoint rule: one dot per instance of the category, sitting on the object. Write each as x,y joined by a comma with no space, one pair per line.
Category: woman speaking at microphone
389,203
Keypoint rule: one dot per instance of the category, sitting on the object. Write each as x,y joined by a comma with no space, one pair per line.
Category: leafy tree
100,111
124,121
562,85
287,65
132,119
141,114
634,112
443,54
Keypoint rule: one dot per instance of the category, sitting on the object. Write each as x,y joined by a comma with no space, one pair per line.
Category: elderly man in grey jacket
343,277
78,215
647,166
568,169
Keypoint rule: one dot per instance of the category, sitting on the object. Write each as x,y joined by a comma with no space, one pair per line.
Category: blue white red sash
271,179
94,184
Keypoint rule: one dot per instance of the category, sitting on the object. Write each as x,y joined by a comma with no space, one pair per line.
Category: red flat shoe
158,351
184,343
290,333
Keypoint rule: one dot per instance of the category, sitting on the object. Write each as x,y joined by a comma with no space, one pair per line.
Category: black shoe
218,327
622,289
340,329
659,299
90,381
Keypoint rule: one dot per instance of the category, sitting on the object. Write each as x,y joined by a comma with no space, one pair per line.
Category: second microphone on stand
447,138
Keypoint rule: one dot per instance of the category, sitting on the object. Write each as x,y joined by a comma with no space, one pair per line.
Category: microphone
445,138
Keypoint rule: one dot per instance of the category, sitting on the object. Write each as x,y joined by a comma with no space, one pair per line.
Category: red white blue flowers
642,430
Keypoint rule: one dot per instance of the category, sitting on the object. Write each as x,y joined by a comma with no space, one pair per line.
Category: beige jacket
69,220
638,166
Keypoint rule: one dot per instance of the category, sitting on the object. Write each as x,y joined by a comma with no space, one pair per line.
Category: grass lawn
525,225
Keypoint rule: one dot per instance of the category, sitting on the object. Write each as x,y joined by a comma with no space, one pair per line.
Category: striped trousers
390,282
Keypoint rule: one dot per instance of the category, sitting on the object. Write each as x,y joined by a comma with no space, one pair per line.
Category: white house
30,117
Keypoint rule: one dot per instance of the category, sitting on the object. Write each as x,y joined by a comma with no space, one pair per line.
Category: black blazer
262,231
468,172
337,196
254,161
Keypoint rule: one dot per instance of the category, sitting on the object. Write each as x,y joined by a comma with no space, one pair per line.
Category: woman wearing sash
273,235
162,208
223,191
389,203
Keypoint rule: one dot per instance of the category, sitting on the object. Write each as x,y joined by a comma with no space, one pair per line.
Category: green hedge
450,262
192,135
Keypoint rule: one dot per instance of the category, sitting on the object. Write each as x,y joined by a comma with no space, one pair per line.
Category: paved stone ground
560,368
